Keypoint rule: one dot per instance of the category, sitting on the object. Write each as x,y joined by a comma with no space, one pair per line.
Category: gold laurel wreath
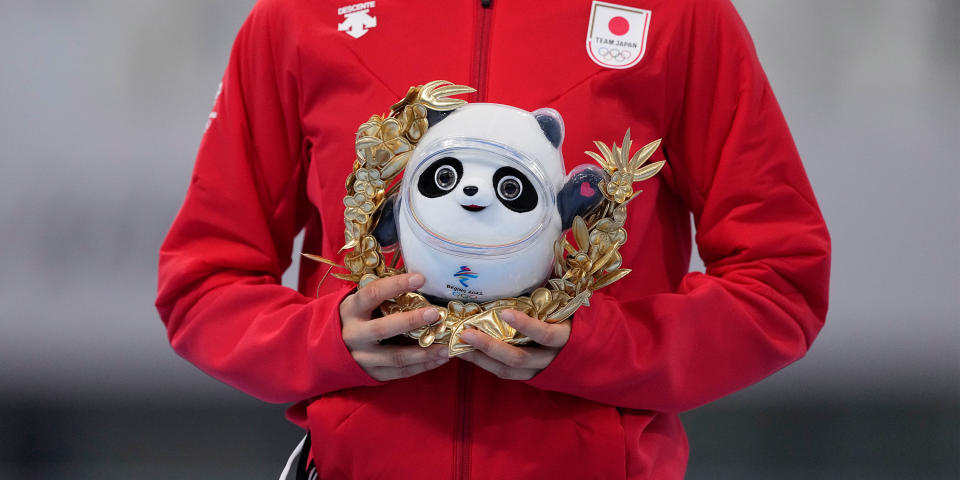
384,144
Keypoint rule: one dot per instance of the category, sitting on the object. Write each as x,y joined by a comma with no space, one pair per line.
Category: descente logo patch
357,20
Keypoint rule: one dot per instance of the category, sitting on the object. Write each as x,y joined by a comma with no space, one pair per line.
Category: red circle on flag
618,26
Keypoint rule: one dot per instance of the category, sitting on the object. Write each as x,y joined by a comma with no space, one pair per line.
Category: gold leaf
594,155
416,129
603,261
395,165
351,242
432,85
427,338
501,304
602,184
582,298
644,154
610,278
558,249
549,309
445,104
489,322
318,258
345,276
456,346
390,129
398,145
625,149
367,142
614,263
540,298
648,171
354,262
370,128
435,95
619,215
455,308
349,184
607,154
556,284
451,90
411,95
580,233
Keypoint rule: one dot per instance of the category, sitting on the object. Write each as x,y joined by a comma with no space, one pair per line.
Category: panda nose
470,190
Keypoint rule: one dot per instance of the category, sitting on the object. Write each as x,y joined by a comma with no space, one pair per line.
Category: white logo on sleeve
213,115
617,35
356,19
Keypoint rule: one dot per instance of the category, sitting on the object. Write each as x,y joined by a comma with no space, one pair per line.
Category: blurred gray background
102,105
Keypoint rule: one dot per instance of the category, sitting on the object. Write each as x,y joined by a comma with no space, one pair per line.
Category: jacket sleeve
220,266
763,239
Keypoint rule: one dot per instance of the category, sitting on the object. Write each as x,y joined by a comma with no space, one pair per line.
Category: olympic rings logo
614,54
465,296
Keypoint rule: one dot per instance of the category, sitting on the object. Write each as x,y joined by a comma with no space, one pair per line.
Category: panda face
480,192
478,198
511,186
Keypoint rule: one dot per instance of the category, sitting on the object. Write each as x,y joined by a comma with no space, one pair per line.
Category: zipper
479,73
462,438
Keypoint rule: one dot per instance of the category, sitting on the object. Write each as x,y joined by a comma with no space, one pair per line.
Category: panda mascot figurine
482,201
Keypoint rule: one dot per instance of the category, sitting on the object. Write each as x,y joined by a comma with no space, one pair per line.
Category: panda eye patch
514,190
509,187
445,178
440,177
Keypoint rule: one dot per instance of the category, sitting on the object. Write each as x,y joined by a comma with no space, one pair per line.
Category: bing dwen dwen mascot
480,211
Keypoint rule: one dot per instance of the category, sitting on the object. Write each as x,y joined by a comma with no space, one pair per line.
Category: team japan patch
617,35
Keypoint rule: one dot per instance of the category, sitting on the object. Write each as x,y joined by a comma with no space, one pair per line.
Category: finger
505,372
392,373
509,355
394,324
398,356
547,334
378,291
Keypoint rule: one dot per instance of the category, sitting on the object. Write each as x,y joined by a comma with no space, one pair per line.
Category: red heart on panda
586,190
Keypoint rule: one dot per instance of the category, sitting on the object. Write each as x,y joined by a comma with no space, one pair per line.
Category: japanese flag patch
617,35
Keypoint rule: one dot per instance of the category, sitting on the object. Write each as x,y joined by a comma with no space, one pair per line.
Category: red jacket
659,342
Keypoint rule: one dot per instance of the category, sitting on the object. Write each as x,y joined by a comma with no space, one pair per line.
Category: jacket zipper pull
485,3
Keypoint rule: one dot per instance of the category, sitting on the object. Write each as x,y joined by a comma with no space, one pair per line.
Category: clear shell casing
463,259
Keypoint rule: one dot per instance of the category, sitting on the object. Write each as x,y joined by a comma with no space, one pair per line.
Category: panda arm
763,297
386,230
579,194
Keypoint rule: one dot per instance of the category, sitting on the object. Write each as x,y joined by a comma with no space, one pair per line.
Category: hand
361,334
517,362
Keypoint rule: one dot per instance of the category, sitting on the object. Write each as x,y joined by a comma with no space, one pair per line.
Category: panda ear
552,125
434,116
